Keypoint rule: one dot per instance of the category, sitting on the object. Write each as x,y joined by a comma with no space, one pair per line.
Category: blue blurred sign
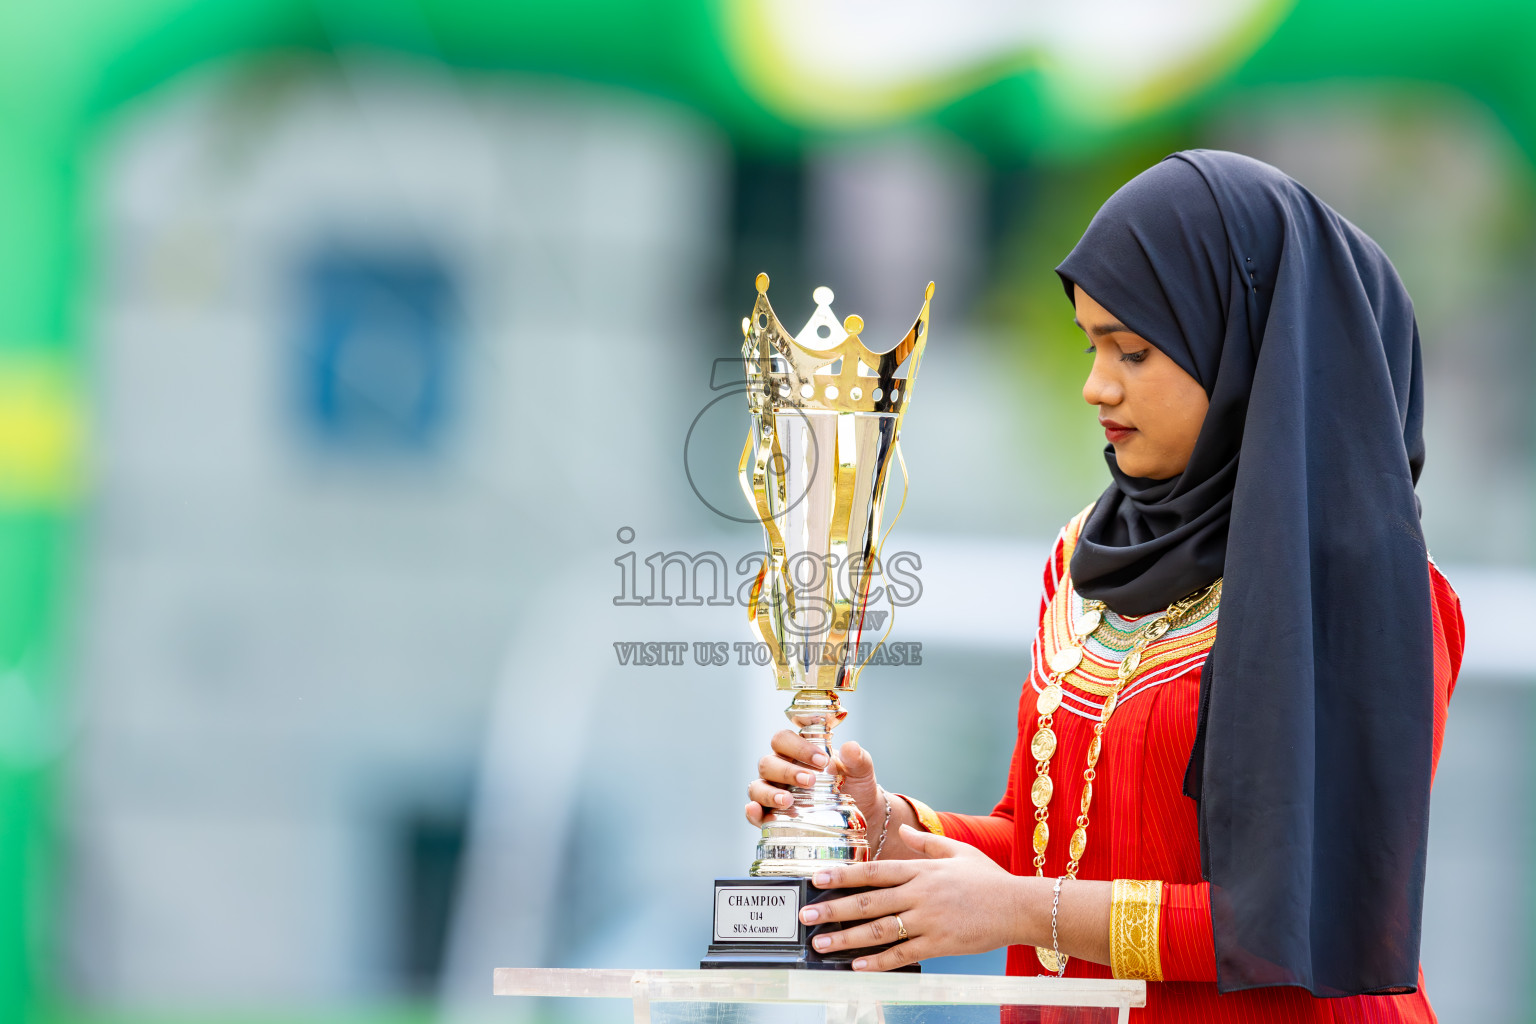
378,350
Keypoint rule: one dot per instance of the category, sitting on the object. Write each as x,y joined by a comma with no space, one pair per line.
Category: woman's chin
1143,468
1128,462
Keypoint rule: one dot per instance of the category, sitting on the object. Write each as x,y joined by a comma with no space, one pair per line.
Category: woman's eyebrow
1099,330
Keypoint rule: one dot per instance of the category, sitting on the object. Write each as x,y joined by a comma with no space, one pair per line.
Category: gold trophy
826,421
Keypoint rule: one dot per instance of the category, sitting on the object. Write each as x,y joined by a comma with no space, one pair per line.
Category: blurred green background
338,339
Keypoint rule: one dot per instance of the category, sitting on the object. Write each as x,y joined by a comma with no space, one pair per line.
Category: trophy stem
814,714
824,824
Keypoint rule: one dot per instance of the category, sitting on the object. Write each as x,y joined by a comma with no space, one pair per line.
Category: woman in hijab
1238,815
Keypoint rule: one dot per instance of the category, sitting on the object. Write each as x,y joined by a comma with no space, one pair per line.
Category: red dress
1142,826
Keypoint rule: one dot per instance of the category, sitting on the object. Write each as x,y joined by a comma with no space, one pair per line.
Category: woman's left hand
953,899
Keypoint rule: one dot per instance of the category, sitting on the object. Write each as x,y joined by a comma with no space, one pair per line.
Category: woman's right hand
792,762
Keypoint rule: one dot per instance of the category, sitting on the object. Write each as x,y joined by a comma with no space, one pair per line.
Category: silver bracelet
1061,961
884,826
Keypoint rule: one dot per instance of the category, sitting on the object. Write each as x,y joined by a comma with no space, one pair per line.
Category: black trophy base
757,925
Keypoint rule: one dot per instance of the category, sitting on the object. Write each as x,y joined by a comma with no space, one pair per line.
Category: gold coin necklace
1043,744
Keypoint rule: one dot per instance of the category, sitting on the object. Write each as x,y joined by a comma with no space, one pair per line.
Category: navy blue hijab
1312,762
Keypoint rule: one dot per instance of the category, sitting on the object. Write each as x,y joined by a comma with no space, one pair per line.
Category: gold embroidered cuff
1133,926
925,814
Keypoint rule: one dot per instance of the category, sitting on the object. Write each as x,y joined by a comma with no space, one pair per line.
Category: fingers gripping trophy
826,416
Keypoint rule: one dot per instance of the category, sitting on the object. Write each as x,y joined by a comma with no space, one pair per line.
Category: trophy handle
824,824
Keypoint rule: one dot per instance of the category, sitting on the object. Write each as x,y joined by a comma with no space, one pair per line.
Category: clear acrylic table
849,997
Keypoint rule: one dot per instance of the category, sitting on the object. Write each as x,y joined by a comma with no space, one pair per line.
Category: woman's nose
1100,388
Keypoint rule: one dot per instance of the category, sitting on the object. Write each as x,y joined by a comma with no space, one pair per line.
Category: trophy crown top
827,366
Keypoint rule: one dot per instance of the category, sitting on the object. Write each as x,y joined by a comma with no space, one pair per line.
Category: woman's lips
1116,432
